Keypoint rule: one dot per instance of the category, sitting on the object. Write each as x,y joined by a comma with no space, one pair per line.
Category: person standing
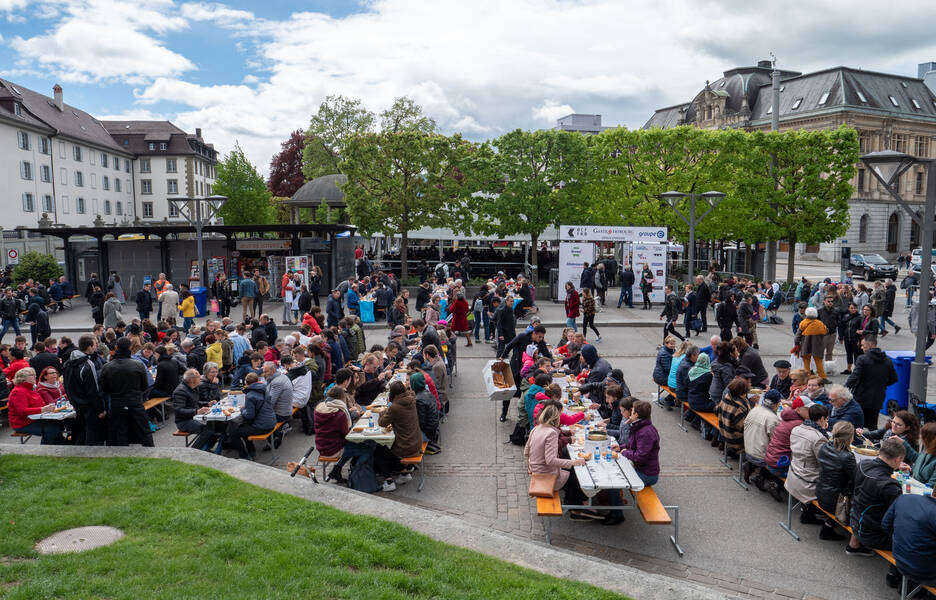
187,308
80,377
588,313
890,298
289,295
627,287
38,320
247,290
601,282
144,302
670,313
333,311
587,278
263,288
169,302
124,380
571,305
159,286
646,286
113,285
222,293
315,284
9,313
97,305
873,372
690,302
703,299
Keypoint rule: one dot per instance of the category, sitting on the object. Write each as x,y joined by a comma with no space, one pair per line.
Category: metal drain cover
79,539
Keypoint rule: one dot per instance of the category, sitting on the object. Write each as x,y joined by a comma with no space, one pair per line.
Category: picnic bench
712,421
158,402
266,437
417,462
186,435
23,437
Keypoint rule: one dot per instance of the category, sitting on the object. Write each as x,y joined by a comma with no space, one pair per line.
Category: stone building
889,111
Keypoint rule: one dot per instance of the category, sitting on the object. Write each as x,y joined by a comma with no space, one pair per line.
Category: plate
374,431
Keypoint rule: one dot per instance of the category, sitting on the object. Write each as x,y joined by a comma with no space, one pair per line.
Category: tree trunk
747,257
404,244
791,258
533,271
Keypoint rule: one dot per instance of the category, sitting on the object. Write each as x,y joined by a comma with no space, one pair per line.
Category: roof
665,118
160,230
136,136
69,122
311,194
141,127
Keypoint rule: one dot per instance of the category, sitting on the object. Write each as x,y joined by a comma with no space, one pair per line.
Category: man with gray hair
280,390
185,405
844,407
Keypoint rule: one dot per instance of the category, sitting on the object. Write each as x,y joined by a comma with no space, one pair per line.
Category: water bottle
597,454
371,421
608,453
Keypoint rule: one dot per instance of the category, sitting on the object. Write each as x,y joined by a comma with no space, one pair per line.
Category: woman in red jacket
459,310
49,388
25,401
571,306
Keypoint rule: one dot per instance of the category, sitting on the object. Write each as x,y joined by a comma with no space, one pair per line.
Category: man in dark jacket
890,297
515,347
627,287
333,310
911,520
195,356
427,334
124,379
671,310
587,279
504,323
185,405
873,372
80,377
703,299
44,358
38,320
9,313
875,491
844,407
144,301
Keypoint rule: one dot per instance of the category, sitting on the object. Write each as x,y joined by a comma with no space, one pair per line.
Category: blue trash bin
201,307
899,392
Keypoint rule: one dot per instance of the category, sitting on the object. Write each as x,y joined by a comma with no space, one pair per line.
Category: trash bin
201,308
899,392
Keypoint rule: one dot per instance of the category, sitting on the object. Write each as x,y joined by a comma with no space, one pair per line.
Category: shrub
37,266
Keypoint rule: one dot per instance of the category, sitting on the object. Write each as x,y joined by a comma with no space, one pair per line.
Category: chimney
57,91
198,132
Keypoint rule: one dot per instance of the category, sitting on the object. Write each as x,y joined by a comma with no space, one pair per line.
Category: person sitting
844,407
257,414
186,403
778,452
911,520
209,388
553,392
19,362
875,491
250,362
700,380
678,355
924,465
782,380
49,387
799,379
682,374
542,454
25,401
403,416
759,425
619,425
805,441
333,421
750,358
905,425
529,398
427,408
167,373
836,475
664,360
643,444
731,412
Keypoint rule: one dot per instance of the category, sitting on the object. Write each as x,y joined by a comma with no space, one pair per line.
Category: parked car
872,266
915,270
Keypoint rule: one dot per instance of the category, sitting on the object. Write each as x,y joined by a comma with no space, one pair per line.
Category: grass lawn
192,532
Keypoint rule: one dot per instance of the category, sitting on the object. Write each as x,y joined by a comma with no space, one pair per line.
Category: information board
572,257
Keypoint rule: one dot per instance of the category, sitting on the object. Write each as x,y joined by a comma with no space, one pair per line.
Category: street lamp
887,166
674,198
185,206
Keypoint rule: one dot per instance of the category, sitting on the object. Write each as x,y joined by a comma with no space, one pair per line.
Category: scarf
54,386
334,405
700,368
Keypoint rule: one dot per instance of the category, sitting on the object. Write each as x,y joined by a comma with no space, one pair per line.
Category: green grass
193,532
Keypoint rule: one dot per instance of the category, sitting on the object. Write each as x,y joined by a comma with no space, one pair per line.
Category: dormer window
894,101
861,96
824,98
770,109
17,109
916,104
796,104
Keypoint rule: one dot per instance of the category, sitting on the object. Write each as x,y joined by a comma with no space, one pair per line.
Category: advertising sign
653,255
299,264
605,233
572,256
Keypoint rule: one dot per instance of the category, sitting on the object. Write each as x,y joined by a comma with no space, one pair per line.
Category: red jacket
780,440
308,319
572,304
24,401
15,366
330,431
50,394
459,310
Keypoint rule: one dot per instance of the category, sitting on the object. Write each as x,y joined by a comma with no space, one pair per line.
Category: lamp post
186,206
674,198
887,166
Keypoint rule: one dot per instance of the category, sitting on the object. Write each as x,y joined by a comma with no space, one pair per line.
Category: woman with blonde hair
24,401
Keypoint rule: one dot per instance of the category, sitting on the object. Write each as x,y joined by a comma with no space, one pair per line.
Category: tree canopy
248,200
338,119
286,167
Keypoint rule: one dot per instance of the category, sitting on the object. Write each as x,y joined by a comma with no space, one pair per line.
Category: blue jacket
352,300
247,288
55,291
911,520
851,412
529,401
663,361
682,380
257,408
671,375
333,312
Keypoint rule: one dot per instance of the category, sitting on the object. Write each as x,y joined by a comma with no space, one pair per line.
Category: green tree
806,198
248,201
523,182
406,115
338,118
400,181
38,267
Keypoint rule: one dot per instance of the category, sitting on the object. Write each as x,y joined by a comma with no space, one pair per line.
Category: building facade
587,124
890,112
60,165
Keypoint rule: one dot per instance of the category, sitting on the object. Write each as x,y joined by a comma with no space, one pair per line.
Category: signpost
13,256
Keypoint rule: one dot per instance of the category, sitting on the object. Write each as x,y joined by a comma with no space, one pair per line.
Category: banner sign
653,255
572,257
605,233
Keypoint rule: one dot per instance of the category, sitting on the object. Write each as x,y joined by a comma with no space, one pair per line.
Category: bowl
597,437
864,451
576,409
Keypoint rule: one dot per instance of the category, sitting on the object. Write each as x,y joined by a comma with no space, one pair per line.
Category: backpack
440,272
478,305
519,435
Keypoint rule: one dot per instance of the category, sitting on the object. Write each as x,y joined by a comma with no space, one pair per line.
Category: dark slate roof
135,137
843,84
69,122
311,193
664,118
141,127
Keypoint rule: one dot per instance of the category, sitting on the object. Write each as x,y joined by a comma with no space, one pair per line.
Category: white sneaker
599,339
388,486
401,479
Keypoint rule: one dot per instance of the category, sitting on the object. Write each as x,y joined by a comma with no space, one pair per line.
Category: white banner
605,233
572,257
653,255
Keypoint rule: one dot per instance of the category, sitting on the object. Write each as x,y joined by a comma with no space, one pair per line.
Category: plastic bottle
608,457
370,421
597,454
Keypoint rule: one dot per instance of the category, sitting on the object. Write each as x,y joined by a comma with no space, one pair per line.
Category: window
922,147
93,181
126,165
48,204
104,159
26,170
128,187
172,186
770,109
45,174
863,229
116,184
79,179
146,186
107,207
863,141
163,146
171,165
147,210
28,204
823,98
45,145
144,165
861,96
894,101
116,162
861,177
152,145
105,182
899,142
90,157
76,153
173,210
17,109
22,140
80,206
796,104
65,208
916,104
119,208
61,149
919,182
209,189
63,176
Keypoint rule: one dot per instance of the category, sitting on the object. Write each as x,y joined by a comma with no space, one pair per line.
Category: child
621,410
530,354
554,392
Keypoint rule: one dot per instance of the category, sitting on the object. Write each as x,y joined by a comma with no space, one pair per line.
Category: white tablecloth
59,416
602,475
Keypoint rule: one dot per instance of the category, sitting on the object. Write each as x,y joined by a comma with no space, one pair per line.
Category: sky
250,73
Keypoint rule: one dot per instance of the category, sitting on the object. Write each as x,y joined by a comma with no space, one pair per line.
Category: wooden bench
158,402
186,435
417,460
262,437
660,390
23,437
325,460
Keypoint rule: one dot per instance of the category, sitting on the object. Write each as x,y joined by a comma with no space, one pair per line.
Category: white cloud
10,5
550,110
218,13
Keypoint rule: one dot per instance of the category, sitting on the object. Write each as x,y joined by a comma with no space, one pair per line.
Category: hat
531,349
442,323
773,396
802,401
782,364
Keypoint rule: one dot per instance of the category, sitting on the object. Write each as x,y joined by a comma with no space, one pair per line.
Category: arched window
863,229
893,232
915,232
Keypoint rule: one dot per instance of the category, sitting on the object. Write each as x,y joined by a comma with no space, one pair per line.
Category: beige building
890,112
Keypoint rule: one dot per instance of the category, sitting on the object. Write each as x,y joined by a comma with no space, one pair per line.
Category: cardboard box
494,392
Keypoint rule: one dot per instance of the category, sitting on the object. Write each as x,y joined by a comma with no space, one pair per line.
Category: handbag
215,306
542,485
842,509
696,324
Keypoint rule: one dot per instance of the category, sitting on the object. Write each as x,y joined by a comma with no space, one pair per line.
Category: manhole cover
79,539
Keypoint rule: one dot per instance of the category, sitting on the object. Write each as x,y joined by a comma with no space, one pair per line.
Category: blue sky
251,72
